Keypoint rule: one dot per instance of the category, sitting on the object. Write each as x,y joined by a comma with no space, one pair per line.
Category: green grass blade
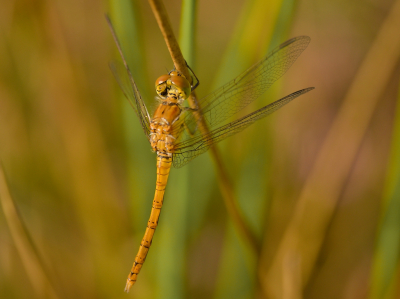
388,240
188,30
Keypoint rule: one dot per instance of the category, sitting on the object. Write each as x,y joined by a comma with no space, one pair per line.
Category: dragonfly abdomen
163,168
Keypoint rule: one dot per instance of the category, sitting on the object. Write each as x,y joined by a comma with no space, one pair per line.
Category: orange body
161,126
162,142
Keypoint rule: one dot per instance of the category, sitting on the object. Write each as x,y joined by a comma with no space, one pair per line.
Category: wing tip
302,91
304,38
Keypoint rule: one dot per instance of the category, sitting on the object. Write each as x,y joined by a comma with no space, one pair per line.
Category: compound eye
182,85
162,79
161,85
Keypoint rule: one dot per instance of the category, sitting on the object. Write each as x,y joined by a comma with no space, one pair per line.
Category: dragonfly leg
197,79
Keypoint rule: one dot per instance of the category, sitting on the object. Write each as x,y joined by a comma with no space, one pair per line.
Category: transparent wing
187,150
244,89
125,80
131,92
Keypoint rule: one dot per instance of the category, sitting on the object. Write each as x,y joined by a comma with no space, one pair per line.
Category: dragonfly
176,132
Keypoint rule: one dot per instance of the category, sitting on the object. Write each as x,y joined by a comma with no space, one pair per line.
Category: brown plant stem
223,179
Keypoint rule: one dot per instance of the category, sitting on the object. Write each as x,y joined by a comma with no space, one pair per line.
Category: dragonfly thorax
173,87
162,127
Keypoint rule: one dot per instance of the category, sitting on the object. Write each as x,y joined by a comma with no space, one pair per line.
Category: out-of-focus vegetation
318,181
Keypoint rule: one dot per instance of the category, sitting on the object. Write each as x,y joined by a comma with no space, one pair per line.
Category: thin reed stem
224,181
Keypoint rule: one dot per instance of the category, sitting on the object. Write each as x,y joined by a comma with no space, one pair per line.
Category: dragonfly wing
188,150
248,86
131,92
125,80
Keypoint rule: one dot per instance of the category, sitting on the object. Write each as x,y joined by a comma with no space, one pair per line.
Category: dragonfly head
173,85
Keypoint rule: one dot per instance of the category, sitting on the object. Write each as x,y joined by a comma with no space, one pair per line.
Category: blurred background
318,180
